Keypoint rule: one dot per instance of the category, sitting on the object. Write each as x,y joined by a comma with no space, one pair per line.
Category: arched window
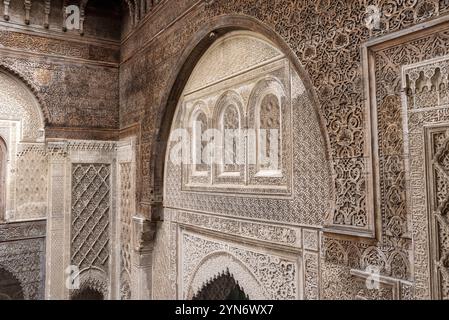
3,161
222,287
200,160
269,133
230,127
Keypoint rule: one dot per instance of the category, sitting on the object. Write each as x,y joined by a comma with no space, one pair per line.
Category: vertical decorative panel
91,203
269,134
199,126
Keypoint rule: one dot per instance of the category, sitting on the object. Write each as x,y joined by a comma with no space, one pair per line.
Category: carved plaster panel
18,103
297,196
82,224
22,253
26,166
90,238
278,234
127,210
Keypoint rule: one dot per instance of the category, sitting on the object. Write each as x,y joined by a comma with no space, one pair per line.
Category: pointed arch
222,262
40,102
92,281
10,286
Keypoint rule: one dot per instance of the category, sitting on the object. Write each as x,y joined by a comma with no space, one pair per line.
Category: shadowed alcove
221,287
3,159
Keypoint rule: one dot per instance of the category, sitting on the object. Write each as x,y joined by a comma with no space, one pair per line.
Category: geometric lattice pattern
125,229
91,189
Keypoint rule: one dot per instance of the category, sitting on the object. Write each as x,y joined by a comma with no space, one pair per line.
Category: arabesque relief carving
425,92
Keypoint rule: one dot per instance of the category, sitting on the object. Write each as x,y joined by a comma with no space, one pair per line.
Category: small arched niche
223,271
222,287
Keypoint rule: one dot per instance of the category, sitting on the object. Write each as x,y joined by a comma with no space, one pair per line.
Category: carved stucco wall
303,152
98,20
75,79
272,261
203,259
71,95
424,107
82,224
126,205
326,36
17,103
38,182
22,128
300,196
90,224
23,185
